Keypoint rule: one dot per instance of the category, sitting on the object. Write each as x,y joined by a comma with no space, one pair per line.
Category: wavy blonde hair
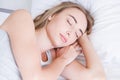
42,19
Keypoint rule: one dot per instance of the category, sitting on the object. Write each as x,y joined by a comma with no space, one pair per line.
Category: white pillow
105,34
39,6
106,29
16,4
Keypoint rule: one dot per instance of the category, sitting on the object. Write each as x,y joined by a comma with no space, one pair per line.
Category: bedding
16,4
105,34
39,6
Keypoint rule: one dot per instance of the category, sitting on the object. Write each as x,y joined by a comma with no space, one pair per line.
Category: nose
68,33
71,33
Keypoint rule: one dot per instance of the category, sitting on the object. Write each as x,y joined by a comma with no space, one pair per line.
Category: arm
93,69
20,28
21,31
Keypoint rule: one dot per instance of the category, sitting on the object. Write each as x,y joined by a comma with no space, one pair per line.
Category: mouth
63,38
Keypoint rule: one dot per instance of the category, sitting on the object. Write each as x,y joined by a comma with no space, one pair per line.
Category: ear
50,17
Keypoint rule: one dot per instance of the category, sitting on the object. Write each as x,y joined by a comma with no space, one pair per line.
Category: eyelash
76,35
69,22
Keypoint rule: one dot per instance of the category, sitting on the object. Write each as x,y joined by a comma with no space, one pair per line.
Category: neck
43,40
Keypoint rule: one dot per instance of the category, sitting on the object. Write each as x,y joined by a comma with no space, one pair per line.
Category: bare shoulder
17,18
20,28
19,22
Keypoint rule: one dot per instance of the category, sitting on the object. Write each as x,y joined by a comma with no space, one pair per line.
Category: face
66,27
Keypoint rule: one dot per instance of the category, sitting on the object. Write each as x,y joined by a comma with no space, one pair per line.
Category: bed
106,31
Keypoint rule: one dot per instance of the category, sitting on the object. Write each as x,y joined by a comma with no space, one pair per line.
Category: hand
58,52
93,69
68,53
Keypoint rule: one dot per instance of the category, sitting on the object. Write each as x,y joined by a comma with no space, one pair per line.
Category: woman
58,27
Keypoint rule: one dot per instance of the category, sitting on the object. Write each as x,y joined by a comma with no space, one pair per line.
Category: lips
63,38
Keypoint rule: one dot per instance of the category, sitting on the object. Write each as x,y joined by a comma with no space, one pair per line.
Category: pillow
16,4
105,34
39,6
106,28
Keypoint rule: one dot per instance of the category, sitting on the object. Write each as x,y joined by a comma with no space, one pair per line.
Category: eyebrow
73,18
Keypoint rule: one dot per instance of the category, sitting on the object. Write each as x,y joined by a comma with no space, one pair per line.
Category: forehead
78,15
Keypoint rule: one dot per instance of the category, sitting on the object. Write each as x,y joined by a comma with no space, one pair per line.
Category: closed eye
69,22
76,35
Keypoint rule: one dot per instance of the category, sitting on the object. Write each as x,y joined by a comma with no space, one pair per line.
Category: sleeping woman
63,27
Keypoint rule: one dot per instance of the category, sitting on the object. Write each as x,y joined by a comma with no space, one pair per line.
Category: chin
58,45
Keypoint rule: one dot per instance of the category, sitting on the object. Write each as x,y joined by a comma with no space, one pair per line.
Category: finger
75,51
78,48
53,53
74,44
60,51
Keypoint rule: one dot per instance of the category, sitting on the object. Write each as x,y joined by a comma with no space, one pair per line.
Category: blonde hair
42,20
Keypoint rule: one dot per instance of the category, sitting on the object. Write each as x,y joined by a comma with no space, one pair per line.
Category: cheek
72,39
51,27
